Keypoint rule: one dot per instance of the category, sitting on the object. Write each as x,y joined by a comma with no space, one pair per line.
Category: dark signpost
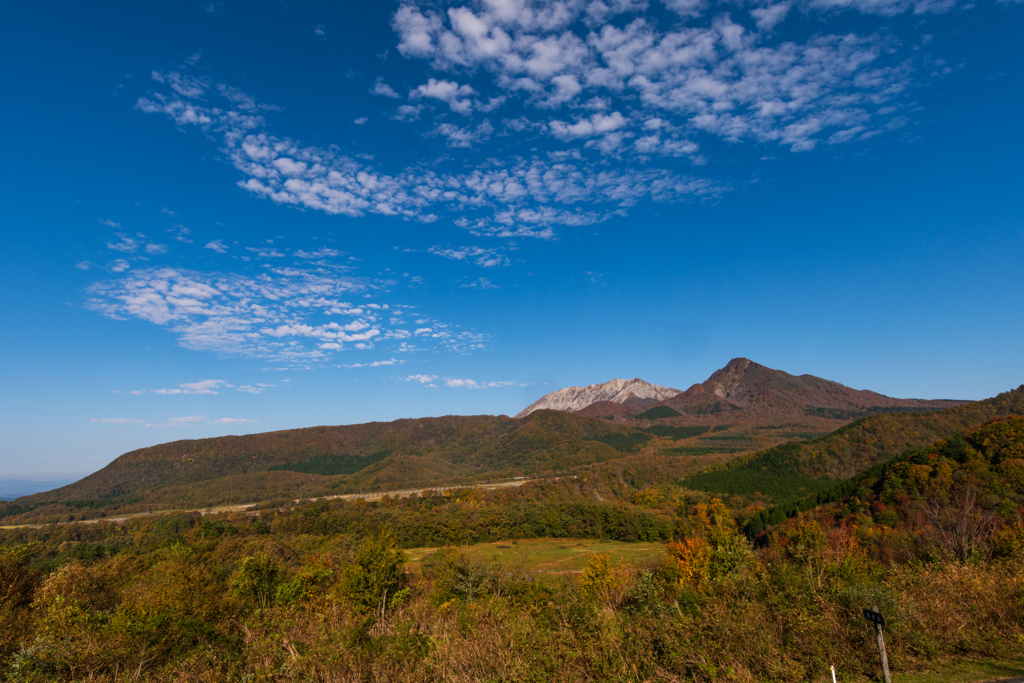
876,618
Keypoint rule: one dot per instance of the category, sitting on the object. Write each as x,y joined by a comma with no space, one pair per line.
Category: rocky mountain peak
633,392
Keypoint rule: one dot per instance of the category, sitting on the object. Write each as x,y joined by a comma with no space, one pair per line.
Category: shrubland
319,591
741,587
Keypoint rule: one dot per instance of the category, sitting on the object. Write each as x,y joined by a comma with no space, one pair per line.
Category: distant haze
16,488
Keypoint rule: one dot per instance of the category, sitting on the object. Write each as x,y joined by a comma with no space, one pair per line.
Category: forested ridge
814,465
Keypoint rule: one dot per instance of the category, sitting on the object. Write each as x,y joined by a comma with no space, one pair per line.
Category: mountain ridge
634,392
742,385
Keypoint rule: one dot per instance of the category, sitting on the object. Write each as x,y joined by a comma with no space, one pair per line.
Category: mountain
633,392
343,459
743,385
741,391
802,468
736,412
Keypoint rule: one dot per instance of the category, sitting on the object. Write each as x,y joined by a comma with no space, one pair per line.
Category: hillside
371,456
949,493
787,470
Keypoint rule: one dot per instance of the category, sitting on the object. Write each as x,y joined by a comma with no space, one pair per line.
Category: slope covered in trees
372,456
808,467
977,472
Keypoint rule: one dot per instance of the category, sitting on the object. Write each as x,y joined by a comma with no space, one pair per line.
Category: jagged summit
633,392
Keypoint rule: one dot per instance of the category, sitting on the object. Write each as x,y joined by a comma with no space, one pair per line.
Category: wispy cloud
255,387
522,196
284,313
382,88
458,382
217,246
374,364
487,258
473,384
480,283
712,76
125,245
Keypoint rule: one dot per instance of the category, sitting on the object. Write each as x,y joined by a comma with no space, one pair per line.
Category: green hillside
977,474
796,469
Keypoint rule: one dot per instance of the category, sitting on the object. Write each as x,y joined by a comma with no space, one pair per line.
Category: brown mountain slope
375,455
744,385
609,410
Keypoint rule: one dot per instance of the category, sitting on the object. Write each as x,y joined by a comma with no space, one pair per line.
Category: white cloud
468,383
206,386
187,420
375,364
116,421
217,246
265,252
458,97
464,137
769,17
473,384
254,388
887,8
520,196
118,266
181,233
422,379
382,88
360,121
156,248
480,283
284,313
486,258
83,265
126,245
407,112
584,128
711,75
323,252
231,421
686,8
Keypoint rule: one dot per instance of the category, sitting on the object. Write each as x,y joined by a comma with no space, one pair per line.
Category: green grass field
550,555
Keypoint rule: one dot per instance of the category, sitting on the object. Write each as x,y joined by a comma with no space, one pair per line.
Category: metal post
881,652
833,669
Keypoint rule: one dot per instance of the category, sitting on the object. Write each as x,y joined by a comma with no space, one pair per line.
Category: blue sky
225,217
